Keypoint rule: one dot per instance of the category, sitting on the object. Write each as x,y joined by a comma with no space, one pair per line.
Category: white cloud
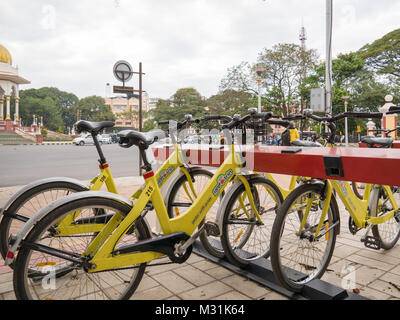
74,45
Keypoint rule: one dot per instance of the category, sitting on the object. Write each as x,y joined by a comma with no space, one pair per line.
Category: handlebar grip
393,110
163,122
294,117
362,115
283,123
211,117
317,118
262,115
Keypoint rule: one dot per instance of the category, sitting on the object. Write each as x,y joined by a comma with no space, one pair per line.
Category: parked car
105,138
83,139
114,138
192,140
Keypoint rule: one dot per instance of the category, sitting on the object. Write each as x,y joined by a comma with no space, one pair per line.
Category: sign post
123,72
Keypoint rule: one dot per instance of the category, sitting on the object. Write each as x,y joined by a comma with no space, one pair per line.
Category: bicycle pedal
212,229
372,242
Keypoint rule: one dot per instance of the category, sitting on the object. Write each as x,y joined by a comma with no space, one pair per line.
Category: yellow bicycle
31,198
304,232
108,261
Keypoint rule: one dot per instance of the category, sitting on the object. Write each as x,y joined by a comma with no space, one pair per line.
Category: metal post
259,95
140,111
328,66
346,132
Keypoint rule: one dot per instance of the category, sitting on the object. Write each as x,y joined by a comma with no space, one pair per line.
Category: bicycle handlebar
212,117
393,110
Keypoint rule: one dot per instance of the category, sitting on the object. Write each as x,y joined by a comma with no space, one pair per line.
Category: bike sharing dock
367,165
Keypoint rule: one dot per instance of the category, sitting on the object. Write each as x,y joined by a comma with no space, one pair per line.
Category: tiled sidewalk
376,273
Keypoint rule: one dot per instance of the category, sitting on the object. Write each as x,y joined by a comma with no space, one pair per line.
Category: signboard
120,89
123,71
317,99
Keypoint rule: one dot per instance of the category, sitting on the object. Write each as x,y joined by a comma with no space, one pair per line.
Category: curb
36,144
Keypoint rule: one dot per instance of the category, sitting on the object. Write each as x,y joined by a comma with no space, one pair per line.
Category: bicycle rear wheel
29,203
41,275
389,231
297,257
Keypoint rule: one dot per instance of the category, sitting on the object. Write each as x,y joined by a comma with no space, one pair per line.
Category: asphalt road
20,165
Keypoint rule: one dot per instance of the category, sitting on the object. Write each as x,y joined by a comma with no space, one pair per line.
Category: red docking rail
369,165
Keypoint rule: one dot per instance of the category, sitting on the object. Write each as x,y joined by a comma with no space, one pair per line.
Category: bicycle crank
171,245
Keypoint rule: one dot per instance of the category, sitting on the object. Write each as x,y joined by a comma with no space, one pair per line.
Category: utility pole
328,63
303,39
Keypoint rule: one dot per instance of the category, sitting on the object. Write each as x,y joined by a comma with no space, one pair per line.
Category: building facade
126,110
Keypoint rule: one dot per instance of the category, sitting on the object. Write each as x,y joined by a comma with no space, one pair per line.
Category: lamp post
346,99
259,69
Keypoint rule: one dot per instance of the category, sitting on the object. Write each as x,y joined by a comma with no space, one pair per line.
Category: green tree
183,101
285,66
93,108
40,107
229,102
383,55
64,103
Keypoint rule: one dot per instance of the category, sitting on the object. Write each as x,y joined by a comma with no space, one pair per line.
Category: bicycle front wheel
48,274
298,254
182,197
245,238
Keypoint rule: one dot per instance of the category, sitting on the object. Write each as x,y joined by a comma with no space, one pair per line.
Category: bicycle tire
209,243
356,190
252,245
10,223
388,232
294,277
94,285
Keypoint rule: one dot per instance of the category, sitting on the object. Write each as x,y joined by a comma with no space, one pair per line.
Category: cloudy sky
73,45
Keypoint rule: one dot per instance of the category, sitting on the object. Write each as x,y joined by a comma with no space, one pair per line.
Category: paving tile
344,251
395,270
385,287
193,275
245,286
206,292
366,275
9,296
204,265
219,272
231,295
333,279
391,277
194,258
173,282
152,270
381,255
147,283
373,294
156,293
6,287
370,262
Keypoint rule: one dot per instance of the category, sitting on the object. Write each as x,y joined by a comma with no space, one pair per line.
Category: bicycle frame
66,226
284,192
106,240
358,209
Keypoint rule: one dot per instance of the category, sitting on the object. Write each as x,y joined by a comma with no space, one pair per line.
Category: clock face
123,71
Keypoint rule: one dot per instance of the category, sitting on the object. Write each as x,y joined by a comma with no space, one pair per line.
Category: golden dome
5,55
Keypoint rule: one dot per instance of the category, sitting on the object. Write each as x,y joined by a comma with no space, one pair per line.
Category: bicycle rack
261,272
